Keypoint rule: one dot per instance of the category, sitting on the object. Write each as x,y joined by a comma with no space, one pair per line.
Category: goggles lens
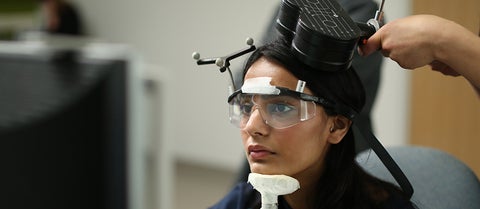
278,111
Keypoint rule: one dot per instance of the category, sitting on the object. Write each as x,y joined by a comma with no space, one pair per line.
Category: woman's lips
257,152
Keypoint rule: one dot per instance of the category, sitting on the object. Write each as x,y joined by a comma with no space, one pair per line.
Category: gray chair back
439,180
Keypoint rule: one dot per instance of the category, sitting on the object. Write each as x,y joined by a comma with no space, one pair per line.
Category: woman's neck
301,199
305,197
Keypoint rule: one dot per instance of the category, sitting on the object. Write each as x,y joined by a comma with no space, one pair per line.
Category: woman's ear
338,129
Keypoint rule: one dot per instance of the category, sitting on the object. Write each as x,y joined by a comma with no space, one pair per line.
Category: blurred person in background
60,17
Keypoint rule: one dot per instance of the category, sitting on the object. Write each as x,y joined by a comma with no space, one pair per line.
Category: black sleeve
239,197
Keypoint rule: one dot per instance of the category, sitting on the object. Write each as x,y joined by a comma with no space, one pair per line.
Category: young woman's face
296,151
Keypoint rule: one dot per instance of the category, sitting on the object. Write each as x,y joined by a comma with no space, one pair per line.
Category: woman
314,145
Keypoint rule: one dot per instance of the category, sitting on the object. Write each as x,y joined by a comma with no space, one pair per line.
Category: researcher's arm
460,49
421,40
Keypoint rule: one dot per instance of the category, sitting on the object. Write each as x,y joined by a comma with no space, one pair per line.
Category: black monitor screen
63,133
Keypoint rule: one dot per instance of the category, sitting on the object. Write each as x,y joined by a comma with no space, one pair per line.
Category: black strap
387,160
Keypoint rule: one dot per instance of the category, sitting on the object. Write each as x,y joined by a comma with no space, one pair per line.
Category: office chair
440,181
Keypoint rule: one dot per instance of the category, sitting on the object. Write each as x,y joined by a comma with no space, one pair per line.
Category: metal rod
379,13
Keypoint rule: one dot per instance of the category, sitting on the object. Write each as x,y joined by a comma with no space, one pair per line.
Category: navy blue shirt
243,196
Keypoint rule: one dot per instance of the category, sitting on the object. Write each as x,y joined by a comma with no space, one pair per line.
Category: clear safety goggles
278,111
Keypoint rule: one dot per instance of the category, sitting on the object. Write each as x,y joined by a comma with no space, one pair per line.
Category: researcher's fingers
373,44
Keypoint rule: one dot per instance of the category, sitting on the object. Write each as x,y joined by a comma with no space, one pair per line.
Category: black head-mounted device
322,33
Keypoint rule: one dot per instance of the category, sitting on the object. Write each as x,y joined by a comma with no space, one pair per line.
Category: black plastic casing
321,32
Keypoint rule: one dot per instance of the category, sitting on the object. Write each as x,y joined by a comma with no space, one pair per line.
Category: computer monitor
66,127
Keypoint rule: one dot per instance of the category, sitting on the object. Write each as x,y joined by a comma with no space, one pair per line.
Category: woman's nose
256,124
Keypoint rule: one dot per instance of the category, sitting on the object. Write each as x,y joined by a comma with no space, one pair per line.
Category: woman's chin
263,169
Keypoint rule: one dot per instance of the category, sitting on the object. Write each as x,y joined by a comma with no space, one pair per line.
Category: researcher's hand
411,42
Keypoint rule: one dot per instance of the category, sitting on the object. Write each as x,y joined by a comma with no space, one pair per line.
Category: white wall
391,110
